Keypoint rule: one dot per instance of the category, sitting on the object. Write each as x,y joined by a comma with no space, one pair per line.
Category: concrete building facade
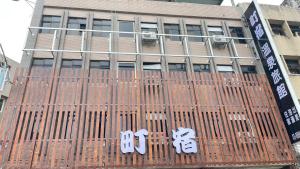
96,69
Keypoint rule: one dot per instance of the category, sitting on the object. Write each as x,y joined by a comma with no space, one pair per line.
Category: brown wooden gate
73,118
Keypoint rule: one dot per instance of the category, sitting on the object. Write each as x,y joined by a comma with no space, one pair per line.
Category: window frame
105,26
190,32
293,68
118,68
149,26
73,66
244,71
295,29
177,70
206,65
52,24
225,71
277,29
167,26
211,29
152,64
4,99
79,19
126,35
101,67
239,32
44,62
5,72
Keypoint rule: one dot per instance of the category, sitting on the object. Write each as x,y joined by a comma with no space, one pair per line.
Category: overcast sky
15,18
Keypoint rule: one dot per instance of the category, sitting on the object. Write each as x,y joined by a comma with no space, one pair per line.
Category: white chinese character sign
127,141
284,100
183,141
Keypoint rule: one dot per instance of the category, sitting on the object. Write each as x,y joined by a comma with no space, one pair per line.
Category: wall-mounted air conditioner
149,37
219,41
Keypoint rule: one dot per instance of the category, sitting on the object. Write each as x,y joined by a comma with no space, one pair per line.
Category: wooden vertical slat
224,110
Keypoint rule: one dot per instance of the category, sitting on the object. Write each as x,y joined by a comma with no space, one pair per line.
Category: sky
15,17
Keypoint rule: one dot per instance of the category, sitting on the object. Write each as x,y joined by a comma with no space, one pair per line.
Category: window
2,103
151,66
177,67
225,69
149,27
248,69
72,63
201,68
3,74
215,30
96,64
194,30
174,30
76,23
49,21
277,29
293,65
103,25
238,33
42,62
295,29
126,26
126,66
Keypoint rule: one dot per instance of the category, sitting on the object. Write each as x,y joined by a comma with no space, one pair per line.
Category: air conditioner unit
149,37
219,41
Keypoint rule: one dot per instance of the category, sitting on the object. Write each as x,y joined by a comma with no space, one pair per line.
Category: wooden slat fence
73,118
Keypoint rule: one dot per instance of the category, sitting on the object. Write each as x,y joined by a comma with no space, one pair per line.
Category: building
95,71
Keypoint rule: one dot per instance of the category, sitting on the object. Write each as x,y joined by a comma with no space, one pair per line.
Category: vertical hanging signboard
274,71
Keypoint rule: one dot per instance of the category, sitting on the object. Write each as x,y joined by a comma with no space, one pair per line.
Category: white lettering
184,140
281,91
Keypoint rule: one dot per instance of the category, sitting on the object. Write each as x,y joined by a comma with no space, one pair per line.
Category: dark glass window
277,29
237,32
201,68
76,63
126,26
295,29
126,66
103,25
50,21
172,29
194,30
177,67
42,62
76,23
97,64
2,103
151,66
248,69
293,65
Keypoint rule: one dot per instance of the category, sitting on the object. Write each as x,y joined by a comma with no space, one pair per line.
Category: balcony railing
184,38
